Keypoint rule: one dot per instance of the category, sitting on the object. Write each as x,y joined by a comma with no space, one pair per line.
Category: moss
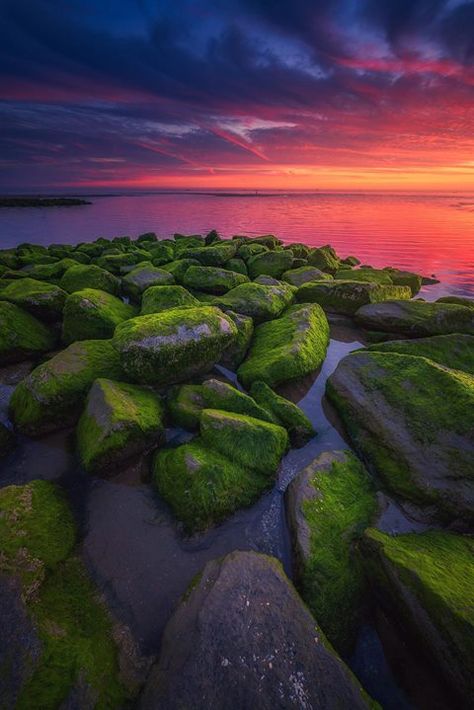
283,412
185,404
212,279
168,347
347,297
417,318
248,250
52,395
119,421
162,298
454,351
300,251
324,258
406,278
351,261
89,276
202,486
267,240
142,277
49,272
272,263
179,267
247,441
457,300
22,336
7,440
238,265
9,258
237,350
427,580
287,348
304,274
378,276
93,315
43,300
215,255
258,301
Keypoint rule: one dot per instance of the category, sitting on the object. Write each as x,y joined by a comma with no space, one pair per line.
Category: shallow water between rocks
142,562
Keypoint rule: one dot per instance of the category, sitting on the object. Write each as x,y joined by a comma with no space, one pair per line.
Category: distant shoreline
42,202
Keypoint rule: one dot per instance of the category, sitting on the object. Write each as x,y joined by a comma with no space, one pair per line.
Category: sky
107,95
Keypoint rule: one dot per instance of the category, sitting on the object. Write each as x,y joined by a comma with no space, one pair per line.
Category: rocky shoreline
120,339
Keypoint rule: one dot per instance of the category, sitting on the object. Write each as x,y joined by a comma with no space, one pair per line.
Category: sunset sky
103,95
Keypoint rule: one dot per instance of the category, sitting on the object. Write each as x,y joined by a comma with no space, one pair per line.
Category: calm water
429,234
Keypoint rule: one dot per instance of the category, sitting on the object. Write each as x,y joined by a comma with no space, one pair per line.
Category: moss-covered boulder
52,395
179,267
216,255
168,347
263,648
346,297
161,252
43,300
416,319
212,279
93,315
378,276
142,277
48,272
287,348
283,412
303,275
59,638
185,404
245,251
119,421
238,265
162,298
81,276
425,581
455,351
22,336
7,440
235,353
405,278
115,262
457,300
259,301
324,258
271,263
413,421
329,505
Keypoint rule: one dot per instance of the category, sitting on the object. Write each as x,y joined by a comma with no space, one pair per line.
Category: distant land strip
41,202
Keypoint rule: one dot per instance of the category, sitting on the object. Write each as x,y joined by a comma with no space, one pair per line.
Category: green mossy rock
248,250
89,276
412,420
7,440
235,353
119,421
303,275
346,297
289,347
455,351
457,300
268,240
168,347
283,412
161,253
212,279
93,315
9,259
162,298
426,582
300,251
272,263
63,646
43,300
324,258
185,404
49,272
259,301
416,319
52,396
351,261
179,267
142,277
216,255
22,336
378,276
250,442
115,262
202,486
406,278
329,505
238,265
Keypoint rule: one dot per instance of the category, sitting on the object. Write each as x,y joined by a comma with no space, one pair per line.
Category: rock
162,298
416,319
346,297
168,347
351,261
413,421
457,300
52,395
271,263
367,275
305,274
119,422
325,259
48,272
238,265
426,582
161,253
406,278
247,250
329,504
142,277
455,351
115,262
300,251
283,412
7,440
93,315
179,267
258,301
212,279
66,635
235,353
215,255
268,240
22,336
80,277
287,348
43,300
185,404
263,647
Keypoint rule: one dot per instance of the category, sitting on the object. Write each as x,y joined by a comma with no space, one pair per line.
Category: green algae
346,297
258,301
43,300
91,314
89,276
212,279
22,336
455,351
283,412
162,298
272,263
